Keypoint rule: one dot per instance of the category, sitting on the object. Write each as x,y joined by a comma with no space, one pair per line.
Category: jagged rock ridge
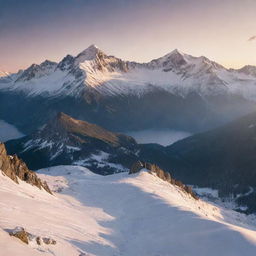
15,168
166,176
26,237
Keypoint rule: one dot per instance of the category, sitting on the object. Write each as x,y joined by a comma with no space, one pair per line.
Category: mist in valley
162,137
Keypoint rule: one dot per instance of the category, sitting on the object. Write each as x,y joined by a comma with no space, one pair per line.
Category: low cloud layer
253,38
162,137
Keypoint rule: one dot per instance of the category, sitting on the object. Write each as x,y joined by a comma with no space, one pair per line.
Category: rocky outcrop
48,240
15,168
166,176
21,234
25,237
136,167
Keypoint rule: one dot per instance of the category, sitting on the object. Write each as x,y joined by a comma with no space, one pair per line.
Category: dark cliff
15,168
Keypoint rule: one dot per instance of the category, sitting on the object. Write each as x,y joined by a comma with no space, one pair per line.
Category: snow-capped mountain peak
48,64
66,63
248,70
37,71
175,54
5,77
174,59
94,71
176,51
90,53
3,73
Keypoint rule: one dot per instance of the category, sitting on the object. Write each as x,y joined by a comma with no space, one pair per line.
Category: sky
140,30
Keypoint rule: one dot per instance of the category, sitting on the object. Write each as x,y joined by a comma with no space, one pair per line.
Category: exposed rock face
26,237
76,132
136,167
139,165
15,168
20,233
48,240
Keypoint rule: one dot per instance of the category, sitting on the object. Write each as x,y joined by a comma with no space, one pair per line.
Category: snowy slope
12,247
119,214
92,69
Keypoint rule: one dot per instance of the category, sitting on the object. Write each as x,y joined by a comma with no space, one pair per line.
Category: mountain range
176,91
76,113
222,158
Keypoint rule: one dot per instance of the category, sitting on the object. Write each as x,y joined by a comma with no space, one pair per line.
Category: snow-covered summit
174,59
94,70
248,70
4,73
36,71
89,53
5,77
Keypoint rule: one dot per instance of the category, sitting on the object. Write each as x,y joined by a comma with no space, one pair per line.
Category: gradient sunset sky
34,30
